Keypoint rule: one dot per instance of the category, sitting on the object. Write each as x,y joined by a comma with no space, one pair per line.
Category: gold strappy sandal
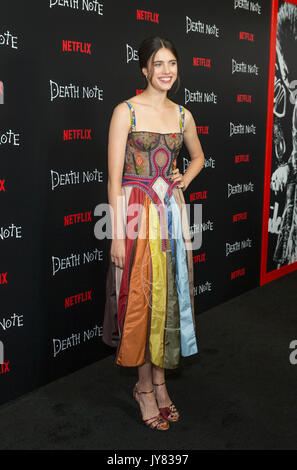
158,422
170,413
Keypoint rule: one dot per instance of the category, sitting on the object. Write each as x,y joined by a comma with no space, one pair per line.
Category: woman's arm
195,150
117,140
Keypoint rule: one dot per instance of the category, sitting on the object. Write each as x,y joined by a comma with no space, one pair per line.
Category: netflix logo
2,185
4,368
76,46
199,258
246,36
143,15
199,195
3,278
244,98
238,273
201,62
78,298
77,134
202,129
240,216
76,218
241,158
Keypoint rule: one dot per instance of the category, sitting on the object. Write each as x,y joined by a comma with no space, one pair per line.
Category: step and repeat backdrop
65,65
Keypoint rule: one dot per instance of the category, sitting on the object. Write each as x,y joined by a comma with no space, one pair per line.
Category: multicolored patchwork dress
149,309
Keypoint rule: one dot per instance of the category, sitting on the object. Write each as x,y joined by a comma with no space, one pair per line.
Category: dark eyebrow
174,60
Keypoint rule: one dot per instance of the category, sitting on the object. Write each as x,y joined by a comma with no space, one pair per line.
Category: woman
149,311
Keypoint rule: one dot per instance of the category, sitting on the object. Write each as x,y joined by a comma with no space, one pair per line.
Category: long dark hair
149,47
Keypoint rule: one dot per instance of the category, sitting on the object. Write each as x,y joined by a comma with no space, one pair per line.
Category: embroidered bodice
149,160
149,153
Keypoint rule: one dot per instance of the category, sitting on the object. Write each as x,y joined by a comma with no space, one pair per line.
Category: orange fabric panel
134,336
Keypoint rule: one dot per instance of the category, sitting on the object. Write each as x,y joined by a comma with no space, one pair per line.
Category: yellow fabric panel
159,289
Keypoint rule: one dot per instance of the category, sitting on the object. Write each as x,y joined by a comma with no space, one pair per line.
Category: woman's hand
118,252
177,176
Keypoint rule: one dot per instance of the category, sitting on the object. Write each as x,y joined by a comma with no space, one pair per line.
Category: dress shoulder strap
182,118
133,119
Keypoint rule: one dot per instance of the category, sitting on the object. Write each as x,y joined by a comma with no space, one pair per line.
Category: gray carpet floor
239,392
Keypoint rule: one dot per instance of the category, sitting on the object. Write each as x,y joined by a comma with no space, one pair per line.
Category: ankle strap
138,391
159,384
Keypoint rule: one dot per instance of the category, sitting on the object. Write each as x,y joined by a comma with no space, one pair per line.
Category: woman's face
162,72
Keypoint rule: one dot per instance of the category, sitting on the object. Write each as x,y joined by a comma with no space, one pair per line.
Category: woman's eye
172,63
159,63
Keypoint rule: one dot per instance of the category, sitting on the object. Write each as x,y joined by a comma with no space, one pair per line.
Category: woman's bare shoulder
121,109
173,105
121,116
188,114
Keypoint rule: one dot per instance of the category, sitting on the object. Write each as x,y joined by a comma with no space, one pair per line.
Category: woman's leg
147,401
161,391
161,394
145,376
